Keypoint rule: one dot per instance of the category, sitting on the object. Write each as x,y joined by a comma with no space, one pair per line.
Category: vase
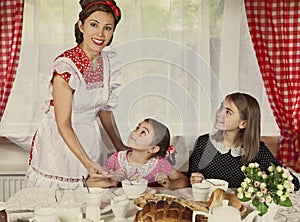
269,216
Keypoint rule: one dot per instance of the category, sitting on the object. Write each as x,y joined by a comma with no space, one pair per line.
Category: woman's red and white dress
51,162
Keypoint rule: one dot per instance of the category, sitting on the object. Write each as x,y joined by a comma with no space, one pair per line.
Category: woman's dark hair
161,137
91,6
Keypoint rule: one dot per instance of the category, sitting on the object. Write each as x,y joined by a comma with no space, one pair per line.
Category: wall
13,166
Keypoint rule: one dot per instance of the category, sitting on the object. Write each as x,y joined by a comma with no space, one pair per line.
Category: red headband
110,4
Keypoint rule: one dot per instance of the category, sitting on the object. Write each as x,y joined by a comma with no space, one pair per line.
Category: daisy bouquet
263,188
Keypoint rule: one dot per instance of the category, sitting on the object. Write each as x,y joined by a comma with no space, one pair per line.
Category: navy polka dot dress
212,163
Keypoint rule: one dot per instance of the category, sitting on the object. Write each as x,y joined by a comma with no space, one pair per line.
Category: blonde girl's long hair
250,136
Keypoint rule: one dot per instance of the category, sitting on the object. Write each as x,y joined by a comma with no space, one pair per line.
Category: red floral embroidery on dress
92,72
63,179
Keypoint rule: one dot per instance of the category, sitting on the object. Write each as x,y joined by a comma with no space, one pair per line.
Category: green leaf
286,203
245,199
262,208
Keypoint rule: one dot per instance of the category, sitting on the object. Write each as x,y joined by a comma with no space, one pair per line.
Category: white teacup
201,191
47,214
119,206
93,201
94,197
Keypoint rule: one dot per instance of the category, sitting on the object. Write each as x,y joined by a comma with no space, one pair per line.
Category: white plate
120,192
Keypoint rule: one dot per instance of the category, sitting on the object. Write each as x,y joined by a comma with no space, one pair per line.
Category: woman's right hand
196,178
97,171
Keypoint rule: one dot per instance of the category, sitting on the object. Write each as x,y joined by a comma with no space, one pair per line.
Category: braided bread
158,208
164,211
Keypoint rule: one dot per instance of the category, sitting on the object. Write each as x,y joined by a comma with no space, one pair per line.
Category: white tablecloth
30,198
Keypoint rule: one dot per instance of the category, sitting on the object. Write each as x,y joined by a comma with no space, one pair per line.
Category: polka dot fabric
207,160
66,76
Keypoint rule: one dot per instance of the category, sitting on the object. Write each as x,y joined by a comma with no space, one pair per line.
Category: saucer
120,192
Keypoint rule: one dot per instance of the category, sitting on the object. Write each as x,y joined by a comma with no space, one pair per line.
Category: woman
235,142
67,145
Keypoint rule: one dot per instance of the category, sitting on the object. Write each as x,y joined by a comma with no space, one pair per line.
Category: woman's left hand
117,175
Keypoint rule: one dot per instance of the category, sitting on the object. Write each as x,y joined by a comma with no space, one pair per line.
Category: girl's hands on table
163,180
196,178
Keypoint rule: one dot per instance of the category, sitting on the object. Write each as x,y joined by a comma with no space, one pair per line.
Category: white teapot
225,213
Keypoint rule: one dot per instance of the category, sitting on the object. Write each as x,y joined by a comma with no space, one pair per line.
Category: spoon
129,181
210,182
85,184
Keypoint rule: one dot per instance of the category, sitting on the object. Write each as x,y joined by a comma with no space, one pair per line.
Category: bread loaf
164,211
159,208
218,195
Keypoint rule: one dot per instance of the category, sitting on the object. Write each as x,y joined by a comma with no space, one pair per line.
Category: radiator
10,184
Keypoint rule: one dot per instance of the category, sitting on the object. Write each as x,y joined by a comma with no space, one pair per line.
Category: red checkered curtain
11,19
275,30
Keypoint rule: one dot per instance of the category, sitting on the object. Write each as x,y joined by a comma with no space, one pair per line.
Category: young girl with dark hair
149,145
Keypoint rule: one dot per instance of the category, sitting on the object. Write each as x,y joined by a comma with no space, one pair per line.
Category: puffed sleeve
60,66
65,65
112,76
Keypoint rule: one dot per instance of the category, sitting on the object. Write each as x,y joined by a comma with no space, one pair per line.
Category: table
29,198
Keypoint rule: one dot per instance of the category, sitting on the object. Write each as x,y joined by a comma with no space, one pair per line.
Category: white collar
235,152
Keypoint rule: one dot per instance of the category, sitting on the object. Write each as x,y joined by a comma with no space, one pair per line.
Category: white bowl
135,188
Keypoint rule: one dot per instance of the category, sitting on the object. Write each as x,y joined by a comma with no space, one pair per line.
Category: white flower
263,185
240,190
268,199
251,165
292,187
287,193
280,187
259,194
256,165
248,194
244,184
270,168
278,168
279,192
247,180
285,175
243,168
264,176
240,195
283,198
251,189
